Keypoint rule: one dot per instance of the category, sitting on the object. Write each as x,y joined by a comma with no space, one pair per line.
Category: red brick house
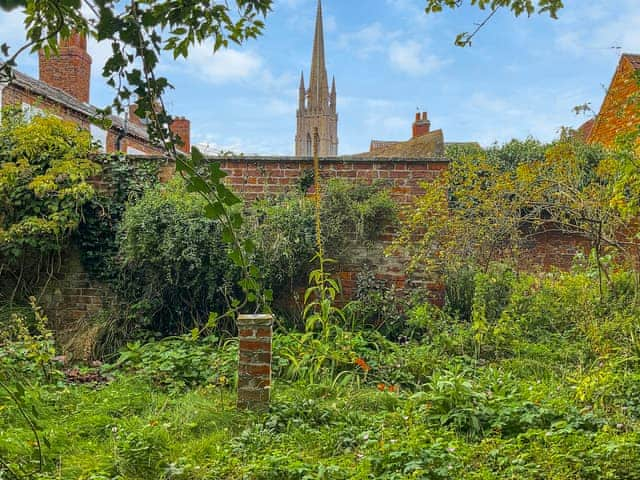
620,110
63,89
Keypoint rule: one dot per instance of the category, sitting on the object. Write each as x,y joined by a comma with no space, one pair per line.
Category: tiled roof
429,145
376,144
633,59
586,127
62,98
462,144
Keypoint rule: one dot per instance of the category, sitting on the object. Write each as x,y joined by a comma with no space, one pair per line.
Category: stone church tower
317,105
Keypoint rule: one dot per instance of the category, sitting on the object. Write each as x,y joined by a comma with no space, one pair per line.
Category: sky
521,77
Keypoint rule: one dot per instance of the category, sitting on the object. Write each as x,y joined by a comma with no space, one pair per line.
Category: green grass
129,429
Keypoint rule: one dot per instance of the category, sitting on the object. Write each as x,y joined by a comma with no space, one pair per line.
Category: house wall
620,111
14,95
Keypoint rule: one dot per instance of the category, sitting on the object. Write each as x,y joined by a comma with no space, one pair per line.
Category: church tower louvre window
317,104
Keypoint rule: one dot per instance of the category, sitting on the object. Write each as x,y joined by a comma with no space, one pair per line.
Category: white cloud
369,40
13,34
225,65
404,55
409,57
583,32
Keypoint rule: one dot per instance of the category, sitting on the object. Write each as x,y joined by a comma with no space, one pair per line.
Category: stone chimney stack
422,125
181,126
70,70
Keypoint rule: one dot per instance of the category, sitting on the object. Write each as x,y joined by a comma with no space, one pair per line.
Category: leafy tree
139,31
44,167
517,7
482,210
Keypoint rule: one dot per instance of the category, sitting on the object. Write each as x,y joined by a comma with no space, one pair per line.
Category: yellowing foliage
44,167
483,209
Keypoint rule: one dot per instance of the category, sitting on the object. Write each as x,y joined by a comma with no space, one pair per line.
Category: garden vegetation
519,374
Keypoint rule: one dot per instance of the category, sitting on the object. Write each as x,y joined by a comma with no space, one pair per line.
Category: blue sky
521,77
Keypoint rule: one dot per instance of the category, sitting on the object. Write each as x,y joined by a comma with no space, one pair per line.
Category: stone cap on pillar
262,319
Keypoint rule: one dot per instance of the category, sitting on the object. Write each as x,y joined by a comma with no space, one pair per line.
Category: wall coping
324,160
255,319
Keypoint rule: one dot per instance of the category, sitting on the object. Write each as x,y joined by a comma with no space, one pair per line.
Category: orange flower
392,388
381,387
362,364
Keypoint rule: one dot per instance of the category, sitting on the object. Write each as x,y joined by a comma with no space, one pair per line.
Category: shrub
354,212
174,266
377,306
44,167
283,232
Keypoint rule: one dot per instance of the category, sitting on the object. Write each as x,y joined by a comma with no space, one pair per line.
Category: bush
44,167
173,266
27,347
354,212
284,235
377,306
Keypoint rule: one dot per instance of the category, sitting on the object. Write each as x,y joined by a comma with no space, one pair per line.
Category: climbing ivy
124,182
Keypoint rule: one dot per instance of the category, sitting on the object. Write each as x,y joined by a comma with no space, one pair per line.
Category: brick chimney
70,70
135,119
422,125
181,126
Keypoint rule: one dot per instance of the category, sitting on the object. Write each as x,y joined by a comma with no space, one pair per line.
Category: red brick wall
254,177
14,95
620,111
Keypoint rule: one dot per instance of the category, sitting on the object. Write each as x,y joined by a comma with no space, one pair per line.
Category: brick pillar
254,369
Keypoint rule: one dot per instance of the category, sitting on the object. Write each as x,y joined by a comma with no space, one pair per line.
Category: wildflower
392,388
362,364
381,387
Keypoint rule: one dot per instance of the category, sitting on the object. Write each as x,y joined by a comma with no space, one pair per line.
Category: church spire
302,94
332,98
318,83
316,115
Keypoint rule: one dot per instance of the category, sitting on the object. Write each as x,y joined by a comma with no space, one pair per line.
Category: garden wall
258,177
72,296
255,177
